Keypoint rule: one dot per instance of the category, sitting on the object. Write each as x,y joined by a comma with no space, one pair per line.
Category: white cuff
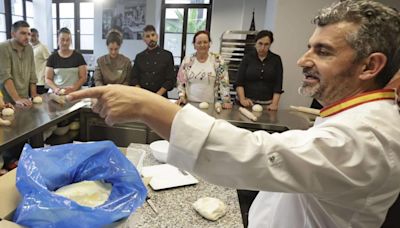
189,131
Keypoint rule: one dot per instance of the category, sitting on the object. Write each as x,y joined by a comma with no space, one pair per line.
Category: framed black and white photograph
127,16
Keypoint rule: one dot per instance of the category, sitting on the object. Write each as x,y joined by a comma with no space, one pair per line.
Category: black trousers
246,198
40,89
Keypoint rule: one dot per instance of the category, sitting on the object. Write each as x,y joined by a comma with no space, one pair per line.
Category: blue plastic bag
42,171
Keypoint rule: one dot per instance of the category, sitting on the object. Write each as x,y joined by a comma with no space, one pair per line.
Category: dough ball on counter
203,105
4,122
7,112
210,208
257,108
37,100
61,92
86,193
74,125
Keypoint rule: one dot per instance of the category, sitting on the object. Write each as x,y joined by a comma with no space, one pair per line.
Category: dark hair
201,32
378,31
149,28
264,33
33,30
64,30
19,24
114,36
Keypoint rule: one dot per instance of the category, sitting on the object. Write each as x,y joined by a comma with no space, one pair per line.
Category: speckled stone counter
175,205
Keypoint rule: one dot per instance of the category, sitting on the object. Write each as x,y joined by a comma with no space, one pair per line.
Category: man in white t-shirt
41,53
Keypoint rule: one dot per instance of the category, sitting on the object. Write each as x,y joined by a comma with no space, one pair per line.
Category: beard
310,90
23,42
152,44
335,87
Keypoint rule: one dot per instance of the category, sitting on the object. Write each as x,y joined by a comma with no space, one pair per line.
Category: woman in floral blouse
203,76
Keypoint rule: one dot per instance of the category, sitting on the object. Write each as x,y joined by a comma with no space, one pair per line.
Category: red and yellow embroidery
382,94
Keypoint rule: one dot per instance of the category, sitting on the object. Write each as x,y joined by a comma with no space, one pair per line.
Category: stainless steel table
30,123
272,121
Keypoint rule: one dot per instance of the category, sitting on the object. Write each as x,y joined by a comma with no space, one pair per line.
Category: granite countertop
175,205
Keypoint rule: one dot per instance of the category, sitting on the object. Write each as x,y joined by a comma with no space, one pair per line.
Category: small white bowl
159,149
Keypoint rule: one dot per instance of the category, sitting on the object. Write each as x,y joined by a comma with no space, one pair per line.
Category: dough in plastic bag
86,193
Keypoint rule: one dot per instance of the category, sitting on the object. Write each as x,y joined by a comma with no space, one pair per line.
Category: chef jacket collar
347,103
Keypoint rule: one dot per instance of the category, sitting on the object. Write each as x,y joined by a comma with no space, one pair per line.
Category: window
180,21
54,23
78,16
17,10
30,14
63,18
87,25
12,11
3,31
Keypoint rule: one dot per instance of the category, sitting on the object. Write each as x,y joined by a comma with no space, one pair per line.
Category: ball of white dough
7,112
37,100
61,92
210,208
4,122
257,108
203,105
74,125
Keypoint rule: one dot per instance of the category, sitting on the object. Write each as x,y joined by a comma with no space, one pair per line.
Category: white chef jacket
343,172
41,54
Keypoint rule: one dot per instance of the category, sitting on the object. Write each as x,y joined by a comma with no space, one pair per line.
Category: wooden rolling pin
306,110
247,114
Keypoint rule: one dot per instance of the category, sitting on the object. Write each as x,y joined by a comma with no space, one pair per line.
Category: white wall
234,15
290,20
259,7
270,14
226,15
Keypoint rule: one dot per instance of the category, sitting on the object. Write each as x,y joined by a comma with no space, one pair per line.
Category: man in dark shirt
153,68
